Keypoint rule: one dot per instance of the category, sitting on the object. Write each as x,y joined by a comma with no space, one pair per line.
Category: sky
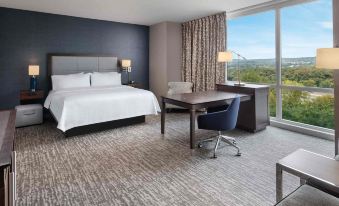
304,28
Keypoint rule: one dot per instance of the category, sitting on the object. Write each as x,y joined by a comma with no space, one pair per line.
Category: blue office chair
224,120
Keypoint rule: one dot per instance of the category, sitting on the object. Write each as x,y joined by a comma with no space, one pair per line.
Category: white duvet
90,105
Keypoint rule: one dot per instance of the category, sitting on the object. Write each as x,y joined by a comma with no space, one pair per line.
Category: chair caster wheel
234,142
238,154
214,157
199,145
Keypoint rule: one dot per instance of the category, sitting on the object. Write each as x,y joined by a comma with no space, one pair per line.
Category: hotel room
219,102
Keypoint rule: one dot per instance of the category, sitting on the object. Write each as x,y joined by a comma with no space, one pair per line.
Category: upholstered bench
310,196
29,114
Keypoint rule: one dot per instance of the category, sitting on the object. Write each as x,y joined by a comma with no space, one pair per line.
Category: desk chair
224,120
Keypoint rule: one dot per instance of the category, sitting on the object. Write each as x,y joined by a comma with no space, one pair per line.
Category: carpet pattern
136,165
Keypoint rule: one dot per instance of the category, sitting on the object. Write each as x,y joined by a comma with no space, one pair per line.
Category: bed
85,109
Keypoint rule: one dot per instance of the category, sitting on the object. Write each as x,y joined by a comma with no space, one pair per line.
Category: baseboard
300,128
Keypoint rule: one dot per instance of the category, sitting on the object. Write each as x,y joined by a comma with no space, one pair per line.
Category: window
301,35
253,37
314,108
255,42
299,92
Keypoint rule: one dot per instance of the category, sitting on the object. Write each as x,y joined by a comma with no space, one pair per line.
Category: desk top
251,86
313,165
203,97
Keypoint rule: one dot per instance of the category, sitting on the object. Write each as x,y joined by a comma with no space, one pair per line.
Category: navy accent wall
27,37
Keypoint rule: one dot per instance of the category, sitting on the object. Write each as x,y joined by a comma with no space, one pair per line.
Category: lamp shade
126,63
33,70
327,58
224,56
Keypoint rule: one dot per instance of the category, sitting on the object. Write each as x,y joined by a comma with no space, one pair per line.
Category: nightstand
135,85
28,97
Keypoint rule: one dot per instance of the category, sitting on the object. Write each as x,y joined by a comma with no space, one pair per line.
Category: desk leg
279,177
163,113
192,128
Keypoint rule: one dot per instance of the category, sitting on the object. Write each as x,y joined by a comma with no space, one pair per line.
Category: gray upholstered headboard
70,64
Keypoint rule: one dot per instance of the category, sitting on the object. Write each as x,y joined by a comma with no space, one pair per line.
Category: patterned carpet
136,165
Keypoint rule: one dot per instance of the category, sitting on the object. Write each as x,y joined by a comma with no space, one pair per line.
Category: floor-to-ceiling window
301,35
255,42
280,46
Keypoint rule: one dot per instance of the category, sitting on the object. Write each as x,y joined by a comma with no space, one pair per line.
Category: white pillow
70,81
105,79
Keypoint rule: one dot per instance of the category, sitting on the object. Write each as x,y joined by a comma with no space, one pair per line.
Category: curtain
202,39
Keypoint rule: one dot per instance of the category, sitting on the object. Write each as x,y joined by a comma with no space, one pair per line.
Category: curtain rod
224,12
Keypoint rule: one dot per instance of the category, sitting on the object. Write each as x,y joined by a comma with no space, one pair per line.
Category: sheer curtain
202,39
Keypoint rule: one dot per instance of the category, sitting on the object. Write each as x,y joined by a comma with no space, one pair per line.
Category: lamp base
33,83
239,84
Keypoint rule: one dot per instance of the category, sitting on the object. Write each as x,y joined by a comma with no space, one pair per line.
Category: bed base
104,126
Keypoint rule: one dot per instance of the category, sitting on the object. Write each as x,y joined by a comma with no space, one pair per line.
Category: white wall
174,50
165,56
157,58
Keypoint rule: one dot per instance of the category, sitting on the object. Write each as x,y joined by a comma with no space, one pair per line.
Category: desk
308,166
7,165
254,115
195,101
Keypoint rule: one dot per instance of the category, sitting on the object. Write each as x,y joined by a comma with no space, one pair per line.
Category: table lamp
328,58
33,71
126,65
227,57
224,57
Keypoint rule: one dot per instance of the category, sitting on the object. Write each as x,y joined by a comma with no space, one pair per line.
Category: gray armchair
178,88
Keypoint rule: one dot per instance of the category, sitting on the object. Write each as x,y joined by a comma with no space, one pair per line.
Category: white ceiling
145,12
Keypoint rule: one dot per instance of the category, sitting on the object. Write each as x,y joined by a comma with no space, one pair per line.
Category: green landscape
300,106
